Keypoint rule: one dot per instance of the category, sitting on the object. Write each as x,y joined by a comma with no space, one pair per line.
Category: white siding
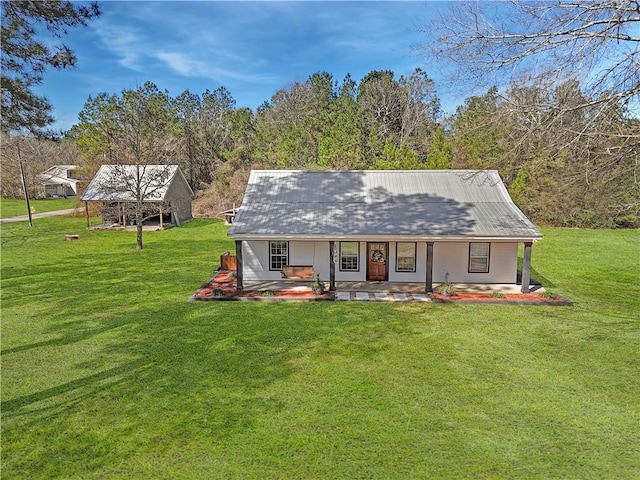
421,265
361,274
255,256
454,258
447,257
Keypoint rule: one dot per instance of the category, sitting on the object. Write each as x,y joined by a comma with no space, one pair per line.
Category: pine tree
25,57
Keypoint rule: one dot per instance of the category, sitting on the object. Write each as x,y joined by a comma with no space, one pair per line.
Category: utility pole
24,186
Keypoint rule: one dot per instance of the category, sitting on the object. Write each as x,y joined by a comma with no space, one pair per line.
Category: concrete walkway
382,296
25,218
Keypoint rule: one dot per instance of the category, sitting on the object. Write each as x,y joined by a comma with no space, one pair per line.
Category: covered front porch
324,259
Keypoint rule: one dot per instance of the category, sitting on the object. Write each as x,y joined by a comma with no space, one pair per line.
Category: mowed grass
108,371
12,207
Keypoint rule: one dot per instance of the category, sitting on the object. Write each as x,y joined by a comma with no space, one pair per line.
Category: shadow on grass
69,335
16,403
166,375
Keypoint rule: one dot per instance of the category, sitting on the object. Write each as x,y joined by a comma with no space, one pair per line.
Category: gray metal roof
117,183
366,203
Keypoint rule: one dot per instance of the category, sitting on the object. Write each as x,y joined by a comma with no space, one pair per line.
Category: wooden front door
377,261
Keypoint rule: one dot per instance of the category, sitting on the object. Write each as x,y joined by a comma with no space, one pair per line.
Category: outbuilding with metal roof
162,189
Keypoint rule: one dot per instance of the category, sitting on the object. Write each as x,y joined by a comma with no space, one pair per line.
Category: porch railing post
332,267
239,284
526,267
428,284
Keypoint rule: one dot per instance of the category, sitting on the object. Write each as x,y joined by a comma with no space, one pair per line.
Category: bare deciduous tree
134,130
569,77
594,42
39,154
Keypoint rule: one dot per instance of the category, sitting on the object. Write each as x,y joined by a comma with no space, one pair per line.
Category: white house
396,226
60,181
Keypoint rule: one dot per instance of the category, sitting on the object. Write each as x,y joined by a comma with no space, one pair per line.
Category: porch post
428,285
161,225
86,212
526,267
332,267
239,285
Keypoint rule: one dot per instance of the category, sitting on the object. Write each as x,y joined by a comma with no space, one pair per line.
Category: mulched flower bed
223,287
509,298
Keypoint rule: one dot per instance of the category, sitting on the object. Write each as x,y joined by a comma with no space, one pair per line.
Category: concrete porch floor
385,287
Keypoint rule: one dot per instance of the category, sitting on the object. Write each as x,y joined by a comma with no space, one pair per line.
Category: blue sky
251,48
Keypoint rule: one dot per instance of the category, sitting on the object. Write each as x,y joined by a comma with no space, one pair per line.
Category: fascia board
391,238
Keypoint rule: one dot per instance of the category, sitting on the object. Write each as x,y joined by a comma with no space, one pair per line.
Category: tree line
380,122
383,122
563,130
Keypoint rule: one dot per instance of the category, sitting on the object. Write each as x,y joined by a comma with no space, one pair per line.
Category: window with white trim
349,256
405,257
479,257
278,254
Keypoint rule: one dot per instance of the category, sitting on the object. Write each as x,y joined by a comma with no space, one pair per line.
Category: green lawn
108,371
11,207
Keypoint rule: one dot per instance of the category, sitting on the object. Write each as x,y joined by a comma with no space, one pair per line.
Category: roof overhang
390,238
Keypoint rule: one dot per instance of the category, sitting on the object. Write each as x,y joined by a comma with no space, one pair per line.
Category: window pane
349,248
278,254
479,249
479,257
406,257
349,256
478,264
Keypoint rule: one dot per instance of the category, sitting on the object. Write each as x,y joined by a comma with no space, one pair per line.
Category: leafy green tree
289,128
240,153
184,109
25,56
340,144
98,130
441,152
478,131
556,178
394,158
204,129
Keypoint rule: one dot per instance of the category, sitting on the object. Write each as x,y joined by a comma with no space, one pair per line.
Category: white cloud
186,65
123,42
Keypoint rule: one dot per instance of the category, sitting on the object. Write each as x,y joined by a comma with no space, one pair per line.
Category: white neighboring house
60,181
395,226
166,194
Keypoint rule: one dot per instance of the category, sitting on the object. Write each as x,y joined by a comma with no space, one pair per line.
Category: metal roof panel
419,202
